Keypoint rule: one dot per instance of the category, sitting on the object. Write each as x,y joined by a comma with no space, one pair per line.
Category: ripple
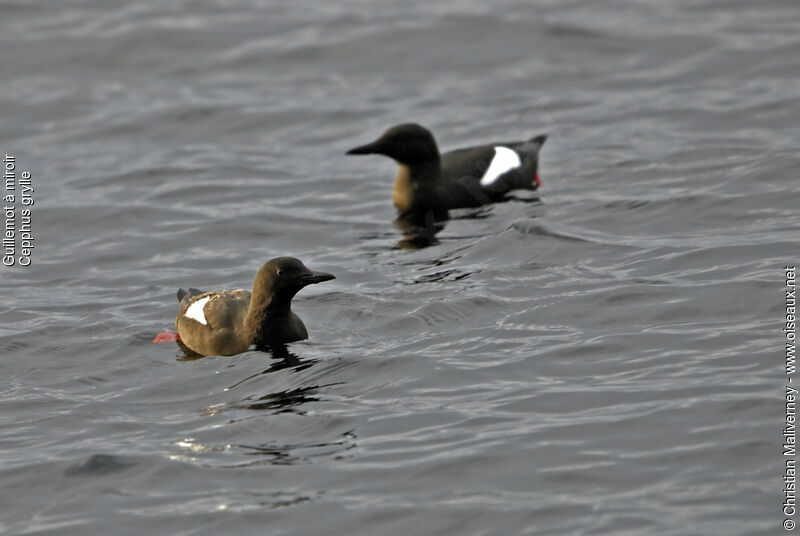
594,357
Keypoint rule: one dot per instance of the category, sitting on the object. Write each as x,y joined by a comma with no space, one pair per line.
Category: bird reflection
256,400
282,401
419,230
285,359
289,400
186,353
298,453
282,359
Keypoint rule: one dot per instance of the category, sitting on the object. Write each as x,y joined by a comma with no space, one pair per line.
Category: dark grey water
606,361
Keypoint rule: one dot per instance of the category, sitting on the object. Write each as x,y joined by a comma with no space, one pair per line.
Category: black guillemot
228,322
429,182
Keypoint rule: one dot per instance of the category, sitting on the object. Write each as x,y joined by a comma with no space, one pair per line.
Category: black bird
228,322
431,182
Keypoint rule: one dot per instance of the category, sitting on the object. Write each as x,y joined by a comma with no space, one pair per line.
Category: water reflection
287,400
281,401
282,359
419,231
186,353
259,407
297,453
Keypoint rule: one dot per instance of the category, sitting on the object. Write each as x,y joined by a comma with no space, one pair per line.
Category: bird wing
223,309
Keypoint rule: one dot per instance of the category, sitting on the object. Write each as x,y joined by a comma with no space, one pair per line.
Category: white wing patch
504,160
195,310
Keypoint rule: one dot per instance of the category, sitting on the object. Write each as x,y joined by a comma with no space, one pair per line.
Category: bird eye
280,271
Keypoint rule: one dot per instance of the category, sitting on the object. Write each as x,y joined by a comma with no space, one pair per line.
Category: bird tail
535,144
538,140
184,293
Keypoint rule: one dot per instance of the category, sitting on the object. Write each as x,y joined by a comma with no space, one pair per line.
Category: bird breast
403,193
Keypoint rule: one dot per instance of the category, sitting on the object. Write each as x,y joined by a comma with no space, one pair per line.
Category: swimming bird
228,322
428,181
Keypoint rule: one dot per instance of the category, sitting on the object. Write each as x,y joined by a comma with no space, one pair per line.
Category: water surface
604,361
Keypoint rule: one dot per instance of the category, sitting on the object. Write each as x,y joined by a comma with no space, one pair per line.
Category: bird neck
425,170
265,311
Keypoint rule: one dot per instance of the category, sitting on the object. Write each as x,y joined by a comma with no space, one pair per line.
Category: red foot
167,336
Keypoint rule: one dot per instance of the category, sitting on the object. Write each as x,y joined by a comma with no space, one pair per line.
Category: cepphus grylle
431,182
228,322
